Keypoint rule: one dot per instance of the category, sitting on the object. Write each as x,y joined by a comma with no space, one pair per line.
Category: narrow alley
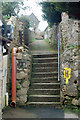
40,109
39,60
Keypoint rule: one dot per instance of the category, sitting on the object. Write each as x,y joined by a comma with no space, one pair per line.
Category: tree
11,8
72,8
52,10
49,13
25,20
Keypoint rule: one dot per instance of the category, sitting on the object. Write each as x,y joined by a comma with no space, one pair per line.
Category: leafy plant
18,87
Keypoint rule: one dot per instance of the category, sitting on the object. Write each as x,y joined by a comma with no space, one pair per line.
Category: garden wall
51,35
69,31
23,61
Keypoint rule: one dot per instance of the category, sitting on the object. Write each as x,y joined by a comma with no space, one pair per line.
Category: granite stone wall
69,31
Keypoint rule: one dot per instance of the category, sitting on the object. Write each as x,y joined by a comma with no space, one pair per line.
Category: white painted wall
5,62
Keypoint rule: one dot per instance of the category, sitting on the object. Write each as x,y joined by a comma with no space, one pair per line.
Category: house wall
4,82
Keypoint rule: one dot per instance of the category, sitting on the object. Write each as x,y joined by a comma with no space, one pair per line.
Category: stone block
22,91
25,84
63,89
24,57
76,73
26,70
19,56
23,98
75,101
20,75
72,90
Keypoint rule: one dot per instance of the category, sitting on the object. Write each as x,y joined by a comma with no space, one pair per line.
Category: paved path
37,112
41,47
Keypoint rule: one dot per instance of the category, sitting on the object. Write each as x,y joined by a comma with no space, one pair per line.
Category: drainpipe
58,59
13,102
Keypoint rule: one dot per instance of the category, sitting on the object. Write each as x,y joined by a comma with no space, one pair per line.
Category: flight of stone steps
44,87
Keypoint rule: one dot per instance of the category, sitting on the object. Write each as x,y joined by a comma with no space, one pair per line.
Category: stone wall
69,58
23,60
51,35
23,75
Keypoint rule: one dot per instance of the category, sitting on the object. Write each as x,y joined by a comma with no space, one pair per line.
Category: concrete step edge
43,103
44,73
51,58
46,68
48,96
45,83
45,89
45,63
45,78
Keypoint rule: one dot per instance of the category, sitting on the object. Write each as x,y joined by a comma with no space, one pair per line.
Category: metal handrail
58,59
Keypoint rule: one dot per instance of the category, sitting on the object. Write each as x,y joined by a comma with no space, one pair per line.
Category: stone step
50,104
45,69
44,92
44,98
44,55
44,80
39,65
44,85
44,74
45,60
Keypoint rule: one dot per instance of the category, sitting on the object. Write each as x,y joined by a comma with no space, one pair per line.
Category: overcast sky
36,9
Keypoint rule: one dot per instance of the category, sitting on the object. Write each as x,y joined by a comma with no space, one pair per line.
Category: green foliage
70,107
5,108
11,8
18,87
22,81
50,14
52,10
25,20
72,8
6,17
8,8
51,36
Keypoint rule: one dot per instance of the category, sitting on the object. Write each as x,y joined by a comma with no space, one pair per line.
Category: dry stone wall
23,76
69,31
23,62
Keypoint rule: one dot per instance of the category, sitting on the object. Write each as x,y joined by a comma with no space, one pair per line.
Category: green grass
6,17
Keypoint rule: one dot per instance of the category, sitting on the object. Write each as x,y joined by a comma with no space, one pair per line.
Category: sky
37,10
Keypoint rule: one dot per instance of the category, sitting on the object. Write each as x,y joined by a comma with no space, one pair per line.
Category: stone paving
37,112
41,47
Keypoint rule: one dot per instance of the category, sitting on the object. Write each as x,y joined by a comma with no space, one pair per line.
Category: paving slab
37,112
41,47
